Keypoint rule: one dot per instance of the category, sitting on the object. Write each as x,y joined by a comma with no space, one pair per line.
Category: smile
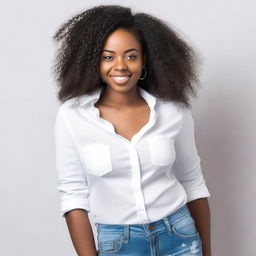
120,79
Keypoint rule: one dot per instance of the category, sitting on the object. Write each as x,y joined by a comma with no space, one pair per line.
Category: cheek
103,69
136,68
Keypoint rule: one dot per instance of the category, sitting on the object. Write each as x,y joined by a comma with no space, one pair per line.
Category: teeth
121,77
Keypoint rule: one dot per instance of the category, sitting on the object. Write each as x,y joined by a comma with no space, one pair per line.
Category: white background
224,112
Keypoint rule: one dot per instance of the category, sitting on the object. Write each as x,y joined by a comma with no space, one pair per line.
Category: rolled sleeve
72,183
187,164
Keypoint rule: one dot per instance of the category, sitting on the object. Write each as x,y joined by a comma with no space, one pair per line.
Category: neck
117,99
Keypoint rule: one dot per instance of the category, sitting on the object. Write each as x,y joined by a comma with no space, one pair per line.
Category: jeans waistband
182,211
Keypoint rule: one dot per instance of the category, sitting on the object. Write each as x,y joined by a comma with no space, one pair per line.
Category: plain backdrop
223,32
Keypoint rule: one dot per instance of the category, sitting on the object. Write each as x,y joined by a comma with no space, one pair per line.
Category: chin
120,87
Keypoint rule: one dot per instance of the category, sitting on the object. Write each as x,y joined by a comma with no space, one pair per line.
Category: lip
124,81
121,75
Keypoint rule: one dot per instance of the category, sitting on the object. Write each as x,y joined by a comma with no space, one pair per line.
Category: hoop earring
142,78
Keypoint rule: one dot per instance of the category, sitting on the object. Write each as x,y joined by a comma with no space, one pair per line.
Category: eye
107,58
132,57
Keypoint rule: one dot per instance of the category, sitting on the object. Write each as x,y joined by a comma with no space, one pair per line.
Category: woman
124,135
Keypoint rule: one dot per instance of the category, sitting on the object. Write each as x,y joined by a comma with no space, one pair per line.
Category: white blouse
121,181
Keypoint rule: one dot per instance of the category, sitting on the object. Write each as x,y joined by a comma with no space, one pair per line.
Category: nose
120,64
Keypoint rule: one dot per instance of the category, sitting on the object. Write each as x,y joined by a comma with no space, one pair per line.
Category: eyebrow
129,50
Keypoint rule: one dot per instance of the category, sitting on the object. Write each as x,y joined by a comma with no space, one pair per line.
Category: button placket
136,180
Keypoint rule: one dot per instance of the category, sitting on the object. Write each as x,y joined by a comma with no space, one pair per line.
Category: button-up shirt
121,181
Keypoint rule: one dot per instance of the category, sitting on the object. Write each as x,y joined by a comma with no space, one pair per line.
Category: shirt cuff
201,192
74,203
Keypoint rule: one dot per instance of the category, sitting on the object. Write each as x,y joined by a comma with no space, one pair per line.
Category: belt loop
167,224
126,233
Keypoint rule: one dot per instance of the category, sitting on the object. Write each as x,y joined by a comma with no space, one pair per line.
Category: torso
127,122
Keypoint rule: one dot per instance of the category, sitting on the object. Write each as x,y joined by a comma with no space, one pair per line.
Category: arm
73,187
81,232
200,211
187,169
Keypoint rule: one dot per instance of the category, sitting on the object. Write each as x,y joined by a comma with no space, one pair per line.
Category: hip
175,234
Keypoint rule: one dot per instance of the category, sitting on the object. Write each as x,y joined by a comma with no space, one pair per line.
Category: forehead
120,40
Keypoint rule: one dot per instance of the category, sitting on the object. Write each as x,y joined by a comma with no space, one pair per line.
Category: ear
144,61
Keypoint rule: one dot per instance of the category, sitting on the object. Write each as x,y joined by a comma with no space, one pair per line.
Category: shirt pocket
162,150
97,159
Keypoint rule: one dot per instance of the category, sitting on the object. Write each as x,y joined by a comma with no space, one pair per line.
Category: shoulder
68,105
173,109
65,112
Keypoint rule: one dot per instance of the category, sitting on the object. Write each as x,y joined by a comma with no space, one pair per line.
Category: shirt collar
94,96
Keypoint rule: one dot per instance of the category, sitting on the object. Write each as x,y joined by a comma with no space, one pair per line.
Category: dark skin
138,116
82,236
81,232
122,106
200,211
83,240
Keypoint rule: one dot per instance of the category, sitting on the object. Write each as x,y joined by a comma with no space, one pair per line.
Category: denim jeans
173,235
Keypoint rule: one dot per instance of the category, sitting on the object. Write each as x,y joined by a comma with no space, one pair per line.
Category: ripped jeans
174,235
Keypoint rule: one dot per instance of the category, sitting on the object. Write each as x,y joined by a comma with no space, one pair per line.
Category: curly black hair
171,69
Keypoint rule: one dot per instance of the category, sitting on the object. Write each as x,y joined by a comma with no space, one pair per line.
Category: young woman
124,134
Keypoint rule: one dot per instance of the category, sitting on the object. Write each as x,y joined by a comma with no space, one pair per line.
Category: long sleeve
72,183
187,167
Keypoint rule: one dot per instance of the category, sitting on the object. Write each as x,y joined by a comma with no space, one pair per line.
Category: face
121,61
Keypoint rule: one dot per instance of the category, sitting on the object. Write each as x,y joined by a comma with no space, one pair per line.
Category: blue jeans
174,235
